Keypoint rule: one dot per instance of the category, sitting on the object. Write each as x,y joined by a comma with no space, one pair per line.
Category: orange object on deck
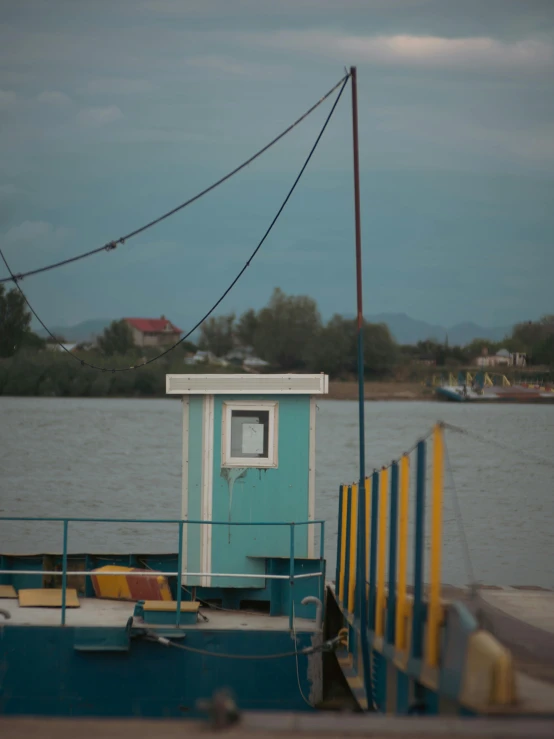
129,585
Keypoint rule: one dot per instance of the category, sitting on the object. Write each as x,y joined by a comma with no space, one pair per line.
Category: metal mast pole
360,312
361,553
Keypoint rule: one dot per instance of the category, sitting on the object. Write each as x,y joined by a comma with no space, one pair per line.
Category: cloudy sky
112,112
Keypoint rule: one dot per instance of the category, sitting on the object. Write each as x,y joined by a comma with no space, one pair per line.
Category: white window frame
272,460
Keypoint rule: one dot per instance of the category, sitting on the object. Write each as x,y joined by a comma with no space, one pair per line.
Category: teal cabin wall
247,494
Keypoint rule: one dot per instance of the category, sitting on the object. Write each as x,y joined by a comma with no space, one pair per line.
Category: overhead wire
501,445
404,454
470,572
84,363
111,245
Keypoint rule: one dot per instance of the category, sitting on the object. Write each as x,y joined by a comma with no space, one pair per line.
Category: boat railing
384,619
180,572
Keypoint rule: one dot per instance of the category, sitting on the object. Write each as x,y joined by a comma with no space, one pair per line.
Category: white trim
207,487
272,460
185,483
149,573
311,479
246,384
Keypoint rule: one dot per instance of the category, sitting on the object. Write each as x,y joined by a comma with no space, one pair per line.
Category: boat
245,614
490,388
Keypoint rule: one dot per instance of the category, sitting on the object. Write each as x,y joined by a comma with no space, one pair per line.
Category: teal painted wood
339,540
179,589
346,574
402,693
373,548
419,543
279,495
13,562
194,487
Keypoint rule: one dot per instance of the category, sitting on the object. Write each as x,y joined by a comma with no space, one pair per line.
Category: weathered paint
278,495
381,553
462,669
432,651
352,545
343,522
403,510
225,494
96,672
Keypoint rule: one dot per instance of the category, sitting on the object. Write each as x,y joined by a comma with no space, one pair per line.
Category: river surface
122,458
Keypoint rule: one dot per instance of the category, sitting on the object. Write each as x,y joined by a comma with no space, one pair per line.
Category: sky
113,112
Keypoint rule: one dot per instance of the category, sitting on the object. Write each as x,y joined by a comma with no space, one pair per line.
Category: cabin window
249,436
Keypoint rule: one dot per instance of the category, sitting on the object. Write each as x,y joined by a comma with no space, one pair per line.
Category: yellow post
433,620
367,487
402,551
353,541
381,553
343,542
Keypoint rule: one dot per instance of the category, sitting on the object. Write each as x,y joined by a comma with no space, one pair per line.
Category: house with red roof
153,331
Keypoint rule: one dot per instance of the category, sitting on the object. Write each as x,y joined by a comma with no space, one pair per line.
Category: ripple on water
122,458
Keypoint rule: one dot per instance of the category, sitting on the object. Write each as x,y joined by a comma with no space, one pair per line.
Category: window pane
250,433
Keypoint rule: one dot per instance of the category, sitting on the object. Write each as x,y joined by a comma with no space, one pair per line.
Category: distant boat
487,391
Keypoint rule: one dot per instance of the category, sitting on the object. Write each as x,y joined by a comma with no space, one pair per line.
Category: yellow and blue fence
408,650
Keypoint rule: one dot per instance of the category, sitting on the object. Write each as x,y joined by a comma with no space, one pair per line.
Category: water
122,458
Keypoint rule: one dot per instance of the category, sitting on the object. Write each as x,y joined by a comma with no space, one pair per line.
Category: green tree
337,349
287,331
32,341
217,335
247,327
477,347
14,321
543,352
117,339
536,338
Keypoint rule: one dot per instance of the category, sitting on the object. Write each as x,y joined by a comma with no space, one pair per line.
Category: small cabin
249,468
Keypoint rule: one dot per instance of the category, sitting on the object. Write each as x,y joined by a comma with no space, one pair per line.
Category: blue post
322,561
362,590
64,569
339,542
417,617
393,535
346,573
291,576
179,575
373,548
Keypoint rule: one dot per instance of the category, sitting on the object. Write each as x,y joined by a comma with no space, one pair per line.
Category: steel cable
111,245
225,293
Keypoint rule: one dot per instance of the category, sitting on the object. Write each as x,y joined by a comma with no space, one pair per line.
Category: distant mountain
404,329
407,330
84,331
464,333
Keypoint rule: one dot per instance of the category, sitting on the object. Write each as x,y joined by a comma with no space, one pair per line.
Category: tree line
288,333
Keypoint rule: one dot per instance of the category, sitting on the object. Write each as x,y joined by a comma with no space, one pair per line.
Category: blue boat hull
147,679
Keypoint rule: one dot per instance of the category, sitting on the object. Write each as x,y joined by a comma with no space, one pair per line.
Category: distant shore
380,391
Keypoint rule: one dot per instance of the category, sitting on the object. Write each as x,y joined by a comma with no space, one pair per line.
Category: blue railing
179,573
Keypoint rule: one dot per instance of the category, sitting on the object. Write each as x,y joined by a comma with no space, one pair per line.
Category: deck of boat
97,612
